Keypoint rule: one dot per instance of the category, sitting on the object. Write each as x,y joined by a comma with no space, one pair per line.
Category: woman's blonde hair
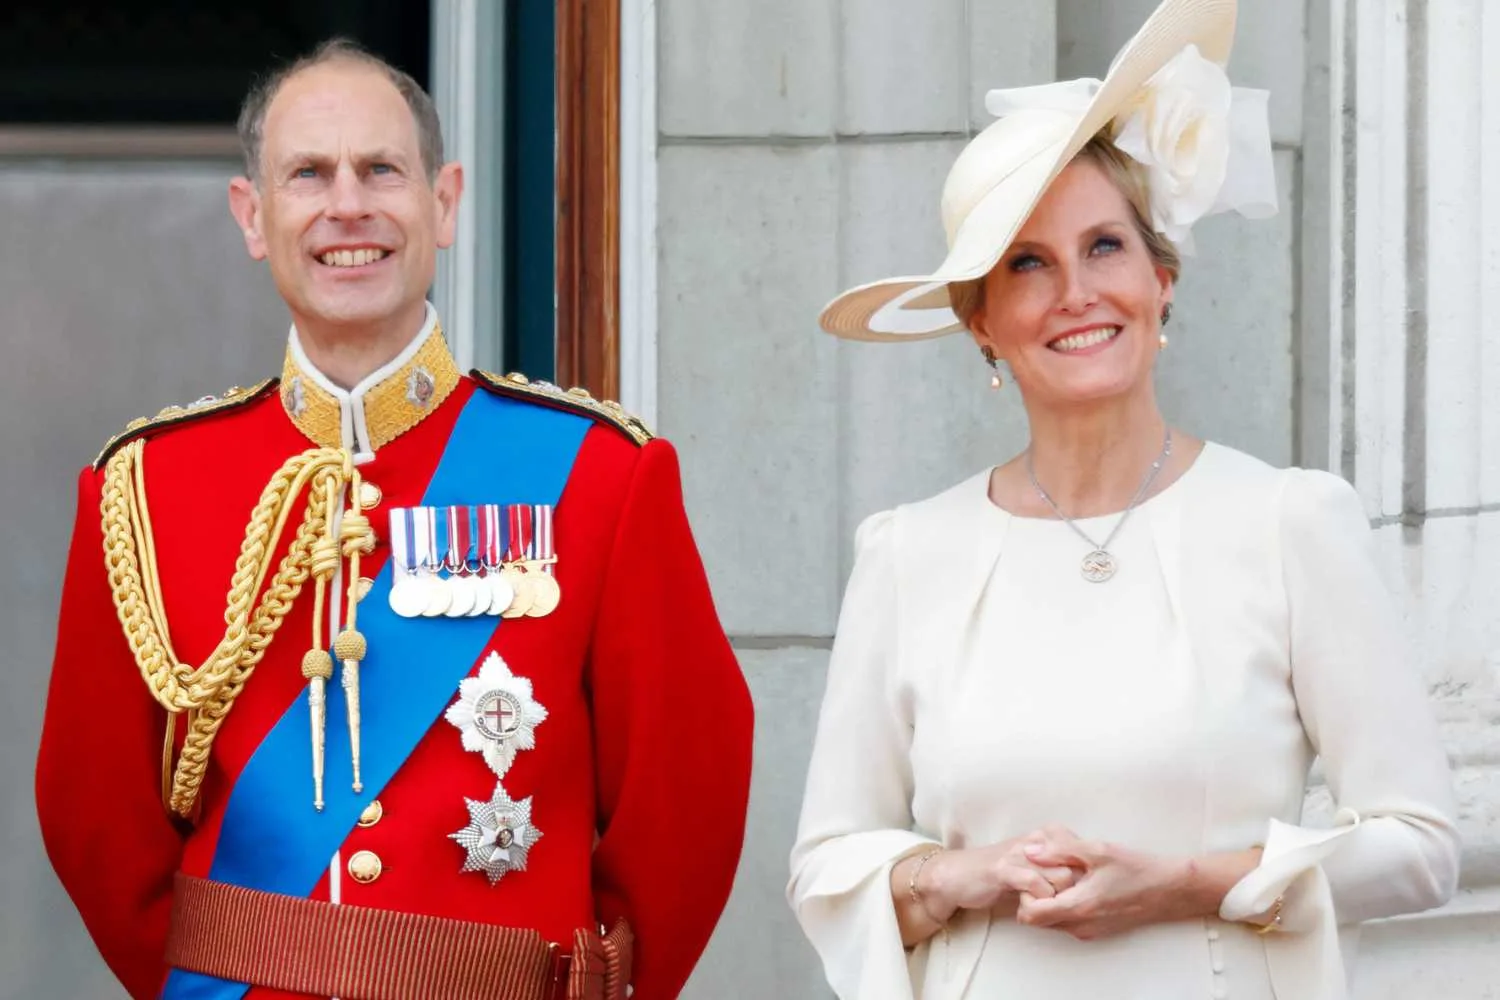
967,297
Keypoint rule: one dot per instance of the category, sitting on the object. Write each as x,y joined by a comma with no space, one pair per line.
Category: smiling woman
1122,614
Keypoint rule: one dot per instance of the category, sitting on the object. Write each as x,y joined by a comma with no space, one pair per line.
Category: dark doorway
171,62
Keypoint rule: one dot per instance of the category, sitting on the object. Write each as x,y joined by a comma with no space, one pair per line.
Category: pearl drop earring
993,362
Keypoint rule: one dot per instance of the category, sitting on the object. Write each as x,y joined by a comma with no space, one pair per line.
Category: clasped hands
1053,878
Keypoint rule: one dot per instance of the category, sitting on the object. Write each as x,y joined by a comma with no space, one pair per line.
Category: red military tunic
640,771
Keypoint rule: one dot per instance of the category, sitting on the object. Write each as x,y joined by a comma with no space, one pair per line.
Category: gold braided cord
204,722
207,691
140,522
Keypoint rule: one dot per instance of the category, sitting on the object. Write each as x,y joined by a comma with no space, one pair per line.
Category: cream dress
980,689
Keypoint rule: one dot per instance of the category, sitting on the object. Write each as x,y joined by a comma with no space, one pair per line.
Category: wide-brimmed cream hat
999,177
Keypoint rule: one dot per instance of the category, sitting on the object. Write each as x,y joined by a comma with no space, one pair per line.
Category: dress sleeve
99,772
856,813
673,726
1394,848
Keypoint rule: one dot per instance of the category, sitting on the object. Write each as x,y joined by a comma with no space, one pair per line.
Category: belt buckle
561,965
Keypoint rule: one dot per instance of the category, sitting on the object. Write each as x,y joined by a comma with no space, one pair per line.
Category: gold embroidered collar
380,409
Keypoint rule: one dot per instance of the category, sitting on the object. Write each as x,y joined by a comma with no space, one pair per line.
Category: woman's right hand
988,878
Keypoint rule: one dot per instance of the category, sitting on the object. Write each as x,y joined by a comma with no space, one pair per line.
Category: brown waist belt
359,953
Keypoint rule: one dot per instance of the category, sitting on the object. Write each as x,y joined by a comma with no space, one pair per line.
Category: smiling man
415,686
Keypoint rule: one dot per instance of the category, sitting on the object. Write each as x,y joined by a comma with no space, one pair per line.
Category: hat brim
917,307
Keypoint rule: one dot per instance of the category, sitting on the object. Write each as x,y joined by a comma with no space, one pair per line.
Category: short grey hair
252,120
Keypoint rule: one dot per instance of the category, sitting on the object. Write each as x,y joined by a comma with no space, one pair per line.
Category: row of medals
512,590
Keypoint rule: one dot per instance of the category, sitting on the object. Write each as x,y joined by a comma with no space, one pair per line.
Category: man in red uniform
379,680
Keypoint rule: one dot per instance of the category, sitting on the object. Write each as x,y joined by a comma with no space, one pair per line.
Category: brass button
372,814
365,867
369,495
362,588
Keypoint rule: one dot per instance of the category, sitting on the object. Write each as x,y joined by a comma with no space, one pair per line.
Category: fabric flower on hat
1206,146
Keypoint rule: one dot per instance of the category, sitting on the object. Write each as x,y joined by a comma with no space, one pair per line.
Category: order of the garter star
496,714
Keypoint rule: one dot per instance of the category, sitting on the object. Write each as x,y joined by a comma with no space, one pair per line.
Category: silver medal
438,597
410,550
481,594
502,594
460,597
499,836
407,597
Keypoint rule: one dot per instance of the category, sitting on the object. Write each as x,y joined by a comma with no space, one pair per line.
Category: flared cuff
1303,952
842,897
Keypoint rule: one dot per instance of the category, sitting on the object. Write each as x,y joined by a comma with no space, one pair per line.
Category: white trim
455,89
638,290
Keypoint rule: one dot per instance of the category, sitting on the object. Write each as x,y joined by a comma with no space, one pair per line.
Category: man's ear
448,188
244,205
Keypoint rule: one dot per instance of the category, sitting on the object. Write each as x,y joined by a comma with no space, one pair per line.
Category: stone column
1410,286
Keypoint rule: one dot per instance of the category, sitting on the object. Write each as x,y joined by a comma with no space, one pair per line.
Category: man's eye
305,172
382,168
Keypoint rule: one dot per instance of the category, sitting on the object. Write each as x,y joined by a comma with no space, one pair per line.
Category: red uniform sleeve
98,776
672,737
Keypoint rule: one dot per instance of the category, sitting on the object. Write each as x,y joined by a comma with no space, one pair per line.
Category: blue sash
501,451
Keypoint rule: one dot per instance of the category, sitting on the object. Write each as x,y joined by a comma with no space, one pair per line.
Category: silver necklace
1098,565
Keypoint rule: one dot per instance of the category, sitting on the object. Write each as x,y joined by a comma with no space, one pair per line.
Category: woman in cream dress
1073,701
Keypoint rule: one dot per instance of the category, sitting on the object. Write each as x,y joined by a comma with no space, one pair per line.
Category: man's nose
347,197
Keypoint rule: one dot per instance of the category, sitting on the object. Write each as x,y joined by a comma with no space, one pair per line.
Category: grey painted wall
123,288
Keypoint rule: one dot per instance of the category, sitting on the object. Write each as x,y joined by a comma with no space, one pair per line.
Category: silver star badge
496,714
499,835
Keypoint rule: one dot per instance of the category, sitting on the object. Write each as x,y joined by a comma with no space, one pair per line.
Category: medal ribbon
459,539
518,545
425,538
403,539
490,548
542,535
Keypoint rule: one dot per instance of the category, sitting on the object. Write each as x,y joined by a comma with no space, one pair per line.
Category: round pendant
460,597
438,597
501,593
1098,566
545,594
408,598
481,591
520,583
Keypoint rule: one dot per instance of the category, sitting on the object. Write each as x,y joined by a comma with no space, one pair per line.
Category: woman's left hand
1117,889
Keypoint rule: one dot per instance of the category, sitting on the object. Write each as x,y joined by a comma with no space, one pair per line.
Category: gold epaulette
172,415
573,400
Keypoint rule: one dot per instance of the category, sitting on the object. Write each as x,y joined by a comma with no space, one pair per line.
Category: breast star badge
499,835
496,714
